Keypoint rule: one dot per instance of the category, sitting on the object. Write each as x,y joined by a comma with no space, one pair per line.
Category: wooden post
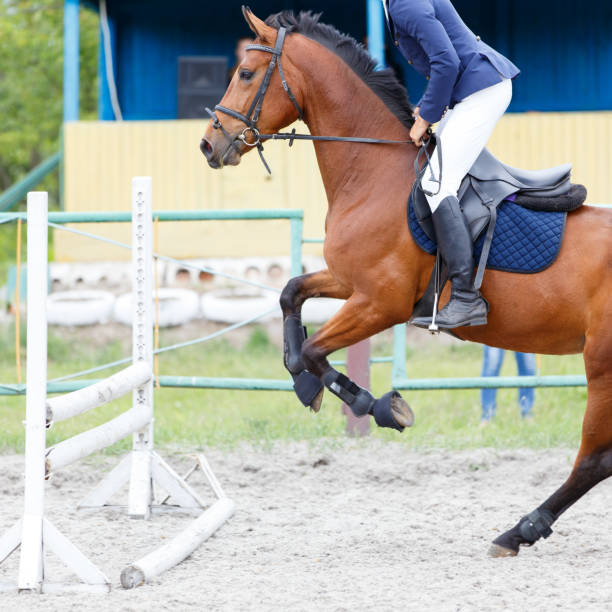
358,370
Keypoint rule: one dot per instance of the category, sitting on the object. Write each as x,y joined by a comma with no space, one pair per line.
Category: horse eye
246,75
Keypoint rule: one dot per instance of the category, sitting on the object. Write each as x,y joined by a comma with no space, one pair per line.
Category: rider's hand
419,129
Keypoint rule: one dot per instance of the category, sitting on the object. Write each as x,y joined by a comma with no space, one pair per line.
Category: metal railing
66,384
399,377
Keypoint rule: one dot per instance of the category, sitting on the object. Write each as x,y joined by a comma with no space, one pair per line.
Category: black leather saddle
489,182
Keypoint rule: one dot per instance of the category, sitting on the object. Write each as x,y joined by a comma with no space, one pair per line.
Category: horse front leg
293,296
357,320
593,463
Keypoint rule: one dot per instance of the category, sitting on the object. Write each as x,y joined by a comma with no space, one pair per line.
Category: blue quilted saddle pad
524,241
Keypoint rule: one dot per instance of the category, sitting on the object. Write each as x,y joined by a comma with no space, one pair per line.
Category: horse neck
339,103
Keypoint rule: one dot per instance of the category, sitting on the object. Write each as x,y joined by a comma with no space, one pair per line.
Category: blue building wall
564,52
148,38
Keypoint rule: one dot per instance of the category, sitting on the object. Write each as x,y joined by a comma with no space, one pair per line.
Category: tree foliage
31,82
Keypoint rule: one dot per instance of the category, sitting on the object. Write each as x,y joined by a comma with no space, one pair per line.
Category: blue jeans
491,366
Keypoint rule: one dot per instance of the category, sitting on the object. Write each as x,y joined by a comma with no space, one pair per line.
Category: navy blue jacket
435,41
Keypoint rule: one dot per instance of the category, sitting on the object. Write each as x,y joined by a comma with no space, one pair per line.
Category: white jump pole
141,486
86,443
34,532
143,466
38,534
180,547
31,561
96,395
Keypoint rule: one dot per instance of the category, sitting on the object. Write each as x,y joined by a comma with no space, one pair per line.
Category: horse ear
263,31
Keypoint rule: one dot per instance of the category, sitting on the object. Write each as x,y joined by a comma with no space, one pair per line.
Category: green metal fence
399,378
295,217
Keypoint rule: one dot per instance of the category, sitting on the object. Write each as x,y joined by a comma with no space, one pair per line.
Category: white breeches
463,133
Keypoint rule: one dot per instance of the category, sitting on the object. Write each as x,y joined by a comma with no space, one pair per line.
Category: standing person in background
493,359
240,53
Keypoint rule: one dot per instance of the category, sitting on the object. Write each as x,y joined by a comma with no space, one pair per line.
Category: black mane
383,83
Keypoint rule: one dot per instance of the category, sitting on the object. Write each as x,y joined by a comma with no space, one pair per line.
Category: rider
470,88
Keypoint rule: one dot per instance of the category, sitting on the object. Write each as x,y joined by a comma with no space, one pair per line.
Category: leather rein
251,117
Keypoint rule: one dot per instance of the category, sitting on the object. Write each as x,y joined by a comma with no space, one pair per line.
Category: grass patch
199,418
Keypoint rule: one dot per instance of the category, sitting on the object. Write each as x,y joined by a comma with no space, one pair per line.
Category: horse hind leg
293,296
593,463
357,319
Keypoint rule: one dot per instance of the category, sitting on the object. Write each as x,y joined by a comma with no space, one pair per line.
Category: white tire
176,307
320,310
79,307
235,307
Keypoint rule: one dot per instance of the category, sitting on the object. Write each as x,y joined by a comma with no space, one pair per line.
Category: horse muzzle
220,154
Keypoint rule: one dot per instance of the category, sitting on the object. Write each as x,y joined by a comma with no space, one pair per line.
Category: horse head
258,99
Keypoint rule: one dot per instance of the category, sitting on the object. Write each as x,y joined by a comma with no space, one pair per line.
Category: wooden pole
358,370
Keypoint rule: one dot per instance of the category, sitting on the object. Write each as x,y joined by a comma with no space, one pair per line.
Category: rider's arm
417,19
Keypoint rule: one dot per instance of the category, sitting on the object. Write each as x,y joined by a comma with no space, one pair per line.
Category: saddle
488,184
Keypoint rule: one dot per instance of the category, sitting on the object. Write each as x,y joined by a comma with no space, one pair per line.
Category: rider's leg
464,134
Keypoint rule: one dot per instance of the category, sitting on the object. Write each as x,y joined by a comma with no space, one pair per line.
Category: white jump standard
142,468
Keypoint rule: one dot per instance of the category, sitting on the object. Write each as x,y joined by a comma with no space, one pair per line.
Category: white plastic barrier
79,307
176,307
140,468
234,306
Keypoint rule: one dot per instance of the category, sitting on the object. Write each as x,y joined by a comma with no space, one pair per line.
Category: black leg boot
466,307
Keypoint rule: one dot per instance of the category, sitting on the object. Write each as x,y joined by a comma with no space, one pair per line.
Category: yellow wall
540,140
102,157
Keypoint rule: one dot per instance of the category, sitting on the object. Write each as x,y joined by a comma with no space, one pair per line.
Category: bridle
251,117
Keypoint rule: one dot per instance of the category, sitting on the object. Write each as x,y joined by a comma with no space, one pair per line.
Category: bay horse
330,81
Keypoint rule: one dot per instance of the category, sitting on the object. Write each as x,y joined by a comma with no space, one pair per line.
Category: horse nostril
206,148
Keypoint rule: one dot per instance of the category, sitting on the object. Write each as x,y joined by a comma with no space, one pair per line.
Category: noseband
251,117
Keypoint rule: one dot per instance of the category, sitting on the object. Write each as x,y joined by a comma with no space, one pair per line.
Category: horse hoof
498,551
316,402
392,411
401,411
309,390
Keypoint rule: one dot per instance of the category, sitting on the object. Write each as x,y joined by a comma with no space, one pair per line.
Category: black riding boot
466,307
